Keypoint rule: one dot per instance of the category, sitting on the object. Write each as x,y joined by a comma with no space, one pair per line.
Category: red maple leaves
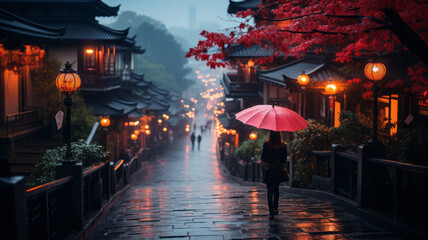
347,28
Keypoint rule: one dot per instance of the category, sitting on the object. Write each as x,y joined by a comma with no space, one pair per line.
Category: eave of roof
21,27
242,51
90,31
99,8
317,68
235,7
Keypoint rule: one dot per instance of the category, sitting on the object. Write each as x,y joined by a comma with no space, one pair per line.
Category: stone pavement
184,194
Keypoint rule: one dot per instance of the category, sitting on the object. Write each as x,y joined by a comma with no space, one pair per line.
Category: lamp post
375,72
253,137
68,82
330,90
105,123
303,80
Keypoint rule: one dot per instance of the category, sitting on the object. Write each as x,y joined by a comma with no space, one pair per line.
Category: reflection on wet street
185,194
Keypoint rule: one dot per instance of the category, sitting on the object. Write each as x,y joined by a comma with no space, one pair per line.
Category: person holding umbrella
274,153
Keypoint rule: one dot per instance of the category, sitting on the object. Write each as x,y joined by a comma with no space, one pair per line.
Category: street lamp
303,80
253,137
375,72
105,123
68,82
330,90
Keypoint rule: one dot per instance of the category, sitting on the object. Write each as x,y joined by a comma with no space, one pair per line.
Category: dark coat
274,157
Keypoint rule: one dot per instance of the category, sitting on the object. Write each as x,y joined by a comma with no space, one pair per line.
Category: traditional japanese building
104,59
22,49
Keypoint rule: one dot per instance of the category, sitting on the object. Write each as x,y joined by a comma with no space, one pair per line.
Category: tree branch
313,31
285,19
407,36
359,17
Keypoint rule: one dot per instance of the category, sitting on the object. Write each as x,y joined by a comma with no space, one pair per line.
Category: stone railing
67,206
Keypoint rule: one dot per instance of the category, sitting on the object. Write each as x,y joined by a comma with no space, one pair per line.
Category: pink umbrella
272,117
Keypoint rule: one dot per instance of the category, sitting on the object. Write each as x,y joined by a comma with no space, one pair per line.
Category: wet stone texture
184,194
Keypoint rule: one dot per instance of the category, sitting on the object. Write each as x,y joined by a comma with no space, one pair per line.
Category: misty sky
175,13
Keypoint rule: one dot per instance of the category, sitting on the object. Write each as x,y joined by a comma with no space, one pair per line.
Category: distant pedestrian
192,139
202,129
194,126
199,141
274,155
129,155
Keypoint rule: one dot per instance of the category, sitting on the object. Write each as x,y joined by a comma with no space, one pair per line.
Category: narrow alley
185,194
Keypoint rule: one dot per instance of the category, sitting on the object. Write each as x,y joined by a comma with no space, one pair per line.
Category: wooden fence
61,208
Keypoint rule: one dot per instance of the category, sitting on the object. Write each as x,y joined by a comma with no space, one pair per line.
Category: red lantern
303,79
68,81
253,136
105,122
375,71
134,137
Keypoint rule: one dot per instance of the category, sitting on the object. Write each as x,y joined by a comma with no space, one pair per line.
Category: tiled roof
98,8
14,25
139,79
156,105
242,51
119,105
102,109
236,6
140,102
230,122
90,31
317,68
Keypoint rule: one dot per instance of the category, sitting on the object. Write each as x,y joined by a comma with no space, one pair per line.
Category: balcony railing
234,83
29,118
100,82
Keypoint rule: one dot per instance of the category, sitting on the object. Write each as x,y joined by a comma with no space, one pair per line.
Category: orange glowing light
134,136
105,122
250,63
253,136
330,89
126,124
187,129
233,131
118,165
303,79
375,71
137,132
159,121
146,126
68,81
165,129
89,51
148,132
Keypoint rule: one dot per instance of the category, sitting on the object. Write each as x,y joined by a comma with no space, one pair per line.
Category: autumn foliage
348,29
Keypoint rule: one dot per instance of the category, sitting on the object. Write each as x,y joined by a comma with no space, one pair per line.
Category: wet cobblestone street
185,194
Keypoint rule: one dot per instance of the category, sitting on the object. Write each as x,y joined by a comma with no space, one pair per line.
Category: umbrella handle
273,104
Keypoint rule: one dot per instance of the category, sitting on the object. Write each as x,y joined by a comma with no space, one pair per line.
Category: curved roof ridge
53,31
